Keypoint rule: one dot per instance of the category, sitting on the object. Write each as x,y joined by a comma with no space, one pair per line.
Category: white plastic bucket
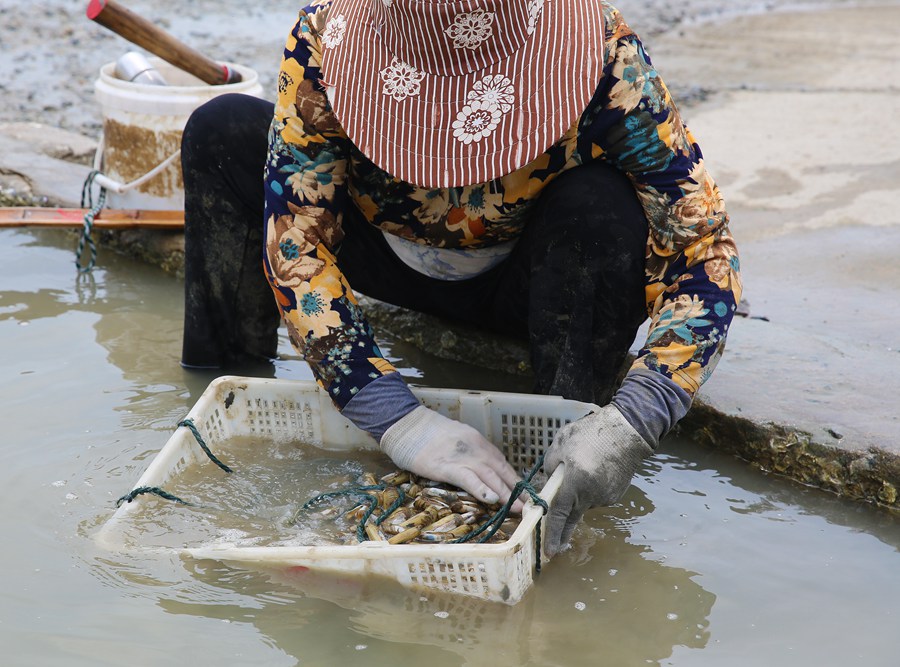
142,126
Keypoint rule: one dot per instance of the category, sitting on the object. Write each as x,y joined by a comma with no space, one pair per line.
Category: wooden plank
23,216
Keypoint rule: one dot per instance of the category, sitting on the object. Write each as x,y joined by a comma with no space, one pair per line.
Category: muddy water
707,561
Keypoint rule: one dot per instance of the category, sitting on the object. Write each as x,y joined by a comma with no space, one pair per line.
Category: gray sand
51,53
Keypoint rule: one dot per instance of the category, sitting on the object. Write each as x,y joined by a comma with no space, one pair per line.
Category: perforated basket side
478,571
213,428
282,410
281,418
524,428
521,425
466,576
525,438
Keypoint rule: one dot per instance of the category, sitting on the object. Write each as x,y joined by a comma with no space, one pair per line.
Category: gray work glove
433,446
601,453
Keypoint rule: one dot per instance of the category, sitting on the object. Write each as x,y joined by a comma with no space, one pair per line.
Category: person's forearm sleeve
692,269
652,404
305,195
381,404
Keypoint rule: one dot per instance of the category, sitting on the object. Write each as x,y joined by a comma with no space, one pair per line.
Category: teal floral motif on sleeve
306,190
693,271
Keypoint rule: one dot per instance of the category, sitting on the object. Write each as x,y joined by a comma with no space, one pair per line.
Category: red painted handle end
231,75
94,8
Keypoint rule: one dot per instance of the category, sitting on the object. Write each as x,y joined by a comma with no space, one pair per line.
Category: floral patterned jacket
313,172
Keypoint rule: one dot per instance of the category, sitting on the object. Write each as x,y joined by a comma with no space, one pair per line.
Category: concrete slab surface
24,168
800,132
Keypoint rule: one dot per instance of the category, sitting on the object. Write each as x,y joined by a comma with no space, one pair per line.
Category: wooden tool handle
140,31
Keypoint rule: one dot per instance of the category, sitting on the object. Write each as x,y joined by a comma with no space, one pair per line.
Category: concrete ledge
164,249
872,475
28,174
52,141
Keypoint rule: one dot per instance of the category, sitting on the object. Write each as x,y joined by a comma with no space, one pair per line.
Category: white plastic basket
521,425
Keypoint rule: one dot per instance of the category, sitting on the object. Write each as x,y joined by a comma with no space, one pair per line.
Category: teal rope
401,498
355,491
87,201
492,525
189,423
155,490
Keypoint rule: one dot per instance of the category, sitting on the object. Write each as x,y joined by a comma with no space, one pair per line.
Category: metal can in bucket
142,127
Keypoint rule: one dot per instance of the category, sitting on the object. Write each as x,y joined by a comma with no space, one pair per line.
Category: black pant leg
230,314
586,251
